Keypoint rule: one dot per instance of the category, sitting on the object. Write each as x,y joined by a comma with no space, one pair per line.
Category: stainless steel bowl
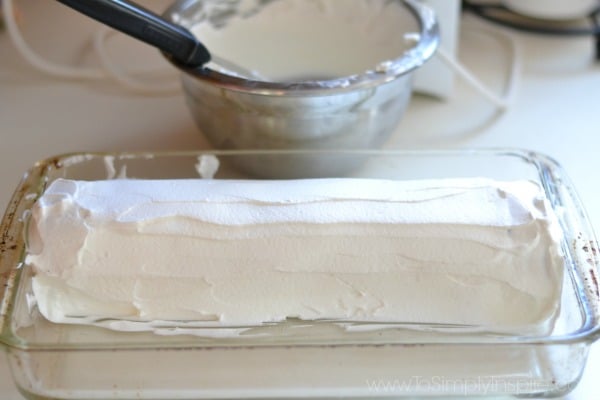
357,111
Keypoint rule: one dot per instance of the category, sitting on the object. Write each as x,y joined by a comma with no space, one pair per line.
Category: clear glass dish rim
546,166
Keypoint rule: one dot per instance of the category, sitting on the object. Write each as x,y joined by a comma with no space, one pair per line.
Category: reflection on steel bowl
318,74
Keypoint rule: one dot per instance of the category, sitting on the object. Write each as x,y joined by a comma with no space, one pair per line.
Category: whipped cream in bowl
317,41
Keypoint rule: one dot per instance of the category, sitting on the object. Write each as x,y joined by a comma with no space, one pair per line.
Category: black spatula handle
134,20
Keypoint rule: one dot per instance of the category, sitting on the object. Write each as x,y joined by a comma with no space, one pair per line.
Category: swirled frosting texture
472,252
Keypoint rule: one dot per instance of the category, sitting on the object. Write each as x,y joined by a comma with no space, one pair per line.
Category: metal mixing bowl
357,111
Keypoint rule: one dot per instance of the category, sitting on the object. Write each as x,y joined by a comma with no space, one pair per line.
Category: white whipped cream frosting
234,253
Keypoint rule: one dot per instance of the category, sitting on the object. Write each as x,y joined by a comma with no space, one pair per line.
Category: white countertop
555,111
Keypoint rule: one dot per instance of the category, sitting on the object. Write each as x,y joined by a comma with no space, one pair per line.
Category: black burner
501,15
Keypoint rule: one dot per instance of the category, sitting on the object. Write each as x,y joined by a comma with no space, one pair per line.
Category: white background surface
555,111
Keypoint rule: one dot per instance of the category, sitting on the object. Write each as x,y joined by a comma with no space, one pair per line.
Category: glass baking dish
292,359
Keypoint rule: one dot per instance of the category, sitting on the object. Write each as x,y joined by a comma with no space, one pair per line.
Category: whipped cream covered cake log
226,253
